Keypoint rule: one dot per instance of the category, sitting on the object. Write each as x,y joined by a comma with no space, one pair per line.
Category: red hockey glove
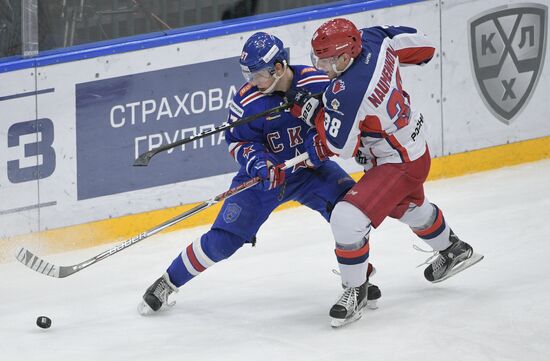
318,151
276,176
305,106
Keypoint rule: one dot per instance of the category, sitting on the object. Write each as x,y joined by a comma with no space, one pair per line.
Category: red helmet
336,37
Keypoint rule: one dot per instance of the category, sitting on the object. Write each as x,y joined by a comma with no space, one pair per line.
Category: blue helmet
262,51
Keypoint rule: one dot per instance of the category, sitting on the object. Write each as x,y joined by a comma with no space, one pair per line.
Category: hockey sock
437,234
212,247
353,265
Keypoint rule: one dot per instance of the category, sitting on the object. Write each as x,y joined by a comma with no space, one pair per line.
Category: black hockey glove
305,105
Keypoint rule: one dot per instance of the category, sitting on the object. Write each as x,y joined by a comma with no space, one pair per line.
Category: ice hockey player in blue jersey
367,114
259,147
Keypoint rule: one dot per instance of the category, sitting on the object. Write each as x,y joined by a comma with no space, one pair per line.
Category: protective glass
324,64
256,76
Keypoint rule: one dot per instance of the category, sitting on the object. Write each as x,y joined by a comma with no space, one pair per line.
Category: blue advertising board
119,118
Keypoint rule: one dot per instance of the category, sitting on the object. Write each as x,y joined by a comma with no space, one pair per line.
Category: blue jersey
367,108
243,214
280,134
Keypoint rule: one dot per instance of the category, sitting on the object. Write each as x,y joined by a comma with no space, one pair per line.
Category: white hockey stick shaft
37,264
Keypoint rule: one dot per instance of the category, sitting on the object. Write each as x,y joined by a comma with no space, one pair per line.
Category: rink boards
72,125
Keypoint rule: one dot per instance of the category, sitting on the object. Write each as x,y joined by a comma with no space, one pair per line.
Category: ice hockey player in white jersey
367,114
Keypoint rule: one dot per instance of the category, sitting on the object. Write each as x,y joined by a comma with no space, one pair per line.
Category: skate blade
338,322
475,258
144,309
372,304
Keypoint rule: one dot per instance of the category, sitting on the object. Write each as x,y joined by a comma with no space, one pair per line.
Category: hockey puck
43,322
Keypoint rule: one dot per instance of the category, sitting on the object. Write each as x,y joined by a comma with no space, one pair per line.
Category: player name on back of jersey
384,83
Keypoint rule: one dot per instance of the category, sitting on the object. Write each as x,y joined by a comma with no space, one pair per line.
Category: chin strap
277,78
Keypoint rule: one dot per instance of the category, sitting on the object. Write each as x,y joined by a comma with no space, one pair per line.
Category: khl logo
508,44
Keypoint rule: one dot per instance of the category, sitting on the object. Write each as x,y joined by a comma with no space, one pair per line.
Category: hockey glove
316,149
305,106
265,166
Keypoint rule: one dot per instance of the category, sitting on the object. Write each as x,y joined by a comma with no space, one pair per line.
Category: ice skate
373,291
349,307
155,298
456,258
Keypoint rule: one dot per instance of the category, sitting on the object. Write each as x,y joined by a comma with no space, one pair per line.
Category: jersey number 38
332,125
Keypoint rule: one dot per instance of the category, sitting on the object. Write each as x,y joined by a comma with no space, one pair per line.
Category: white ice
271,302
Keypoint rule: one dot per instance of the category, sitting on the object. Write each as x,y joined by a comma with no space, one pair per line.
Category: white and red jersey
367,109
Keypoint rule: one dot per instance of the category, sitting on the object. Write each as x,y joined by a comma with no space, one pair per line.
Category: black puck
43,322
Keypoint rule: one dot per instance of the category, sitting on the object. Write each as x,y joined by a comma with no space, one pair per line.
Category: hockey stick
37,264
144,158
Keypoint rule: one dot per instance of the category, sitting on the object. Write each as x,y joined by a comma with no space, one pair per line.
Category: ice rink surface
271,302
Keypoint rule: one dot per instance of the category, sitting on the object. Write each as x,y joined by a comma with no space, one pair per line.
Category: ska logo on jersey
507,46
338,86
231,212
335,104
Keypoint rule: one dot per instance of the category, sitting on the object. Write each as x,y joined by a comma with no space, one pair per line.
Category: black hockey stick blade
143,159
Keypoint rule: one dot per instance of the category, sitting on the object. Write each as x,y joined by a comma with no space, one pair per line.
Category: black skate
456,258
373,291
156,296
349,307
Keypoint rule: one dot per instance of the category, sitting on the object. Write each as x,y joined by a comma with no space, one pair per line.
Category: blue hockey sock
212,247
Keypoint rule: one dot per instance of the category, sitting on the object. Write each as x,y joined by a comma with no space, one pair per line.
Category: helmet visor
324,64
256,76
